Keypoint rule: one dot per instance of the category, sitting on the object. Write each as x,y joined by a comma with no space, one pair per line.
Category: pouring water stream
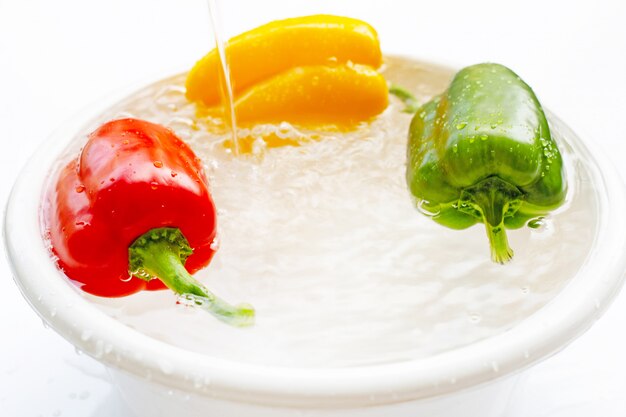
226,89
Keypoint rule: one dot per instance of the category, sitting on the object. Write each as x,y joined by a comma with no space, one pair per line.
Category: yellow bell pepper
315,95
265,51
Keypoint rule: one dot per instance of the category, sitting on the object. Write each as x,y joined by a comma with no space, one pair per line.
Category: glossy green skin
488,123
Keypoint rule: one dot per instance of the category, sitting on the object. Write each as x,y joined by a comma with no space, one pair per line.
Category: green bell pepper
482,152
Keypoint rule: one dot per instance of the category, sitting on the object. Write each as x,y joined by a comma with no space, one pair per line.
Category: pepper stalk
491,200
161,253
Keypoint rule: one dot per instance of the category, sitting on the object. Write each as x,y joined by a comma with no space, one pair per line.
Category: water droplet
483,137
427,208
80,188
494,125
536,223
128,278
474,318
154,185
461,125
173,174
85,335
215,244
99,349
191,300
525,290
165,367
158,164
53,312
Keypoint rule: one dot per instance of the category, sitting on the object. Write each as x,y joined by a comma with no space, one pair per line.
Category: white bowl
162,380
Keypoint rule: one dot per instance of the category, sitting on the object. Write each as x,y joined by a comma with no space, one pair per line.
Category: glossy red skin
131,176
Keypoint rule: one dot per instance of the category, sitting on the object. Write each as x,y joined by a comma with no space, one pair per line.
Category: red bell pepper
132,207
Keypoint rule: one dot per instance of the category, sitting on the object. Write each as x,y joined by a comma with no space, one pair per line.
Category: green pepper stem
161,253
501,252
492,199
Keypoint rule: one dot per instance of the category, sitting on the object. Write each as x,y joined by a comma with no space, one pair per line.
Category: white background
58,56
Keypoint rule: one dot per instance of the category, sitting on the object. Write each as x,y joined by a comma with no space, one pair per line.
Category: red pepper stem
161,253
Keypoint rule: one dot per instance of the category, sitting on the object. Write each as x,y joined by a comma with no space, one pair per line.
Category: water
228,99
325,242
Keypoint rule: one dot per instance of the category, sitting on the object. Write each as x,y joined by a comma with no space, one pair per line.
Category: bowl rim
580,303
